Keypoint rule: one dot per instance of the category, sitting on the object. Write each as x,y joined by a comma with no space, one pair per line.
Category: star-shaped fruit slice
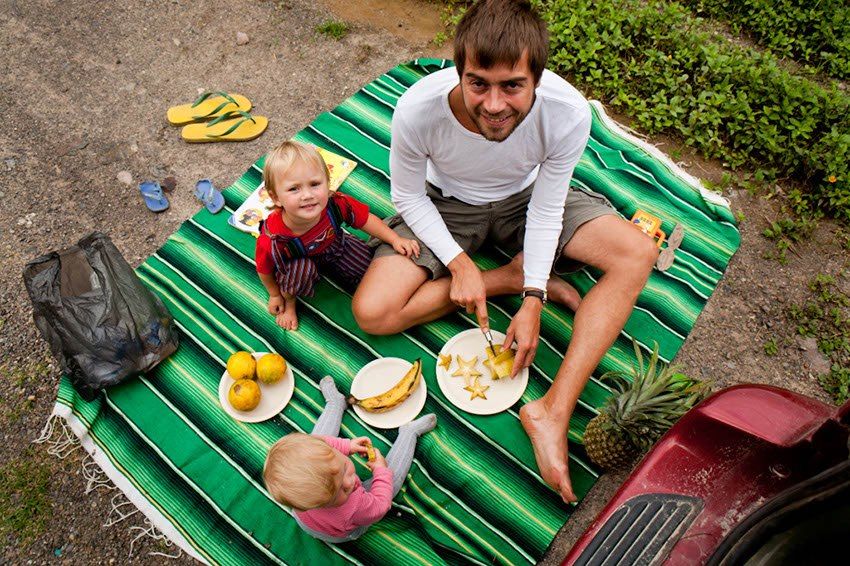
445,361
476,389
466,369
501,363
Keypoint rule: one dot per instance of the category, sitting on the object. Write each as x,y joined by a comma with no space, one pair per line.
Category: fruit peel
271,368
242,365
244,395
501,364
395,396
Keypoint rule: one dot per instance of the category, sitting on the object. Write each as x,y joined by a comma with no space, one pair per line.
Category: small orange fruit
242,365
271,368
244,395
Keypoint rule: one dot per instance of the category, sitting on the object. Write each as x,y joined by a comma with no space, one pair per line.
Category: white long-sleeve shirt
428,143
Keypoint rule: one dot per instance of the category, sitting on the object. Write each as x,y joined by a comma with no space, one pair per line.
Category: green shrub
837,383
825,316
334,29
813,33
654,61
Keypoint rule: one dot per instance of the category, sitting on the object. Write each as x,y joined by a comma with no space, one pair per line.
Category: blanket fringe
61,442
119,510
94,476
149,530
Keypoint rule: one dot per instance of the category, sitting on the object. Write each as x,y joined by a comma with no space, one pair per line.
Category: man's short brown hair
496,32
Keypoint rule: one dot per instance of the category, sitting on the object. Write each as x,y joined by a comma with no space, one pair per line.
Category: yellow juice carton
649,225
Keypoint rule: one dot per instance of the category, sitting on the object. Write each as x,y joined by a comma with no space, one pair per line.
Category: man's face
499,98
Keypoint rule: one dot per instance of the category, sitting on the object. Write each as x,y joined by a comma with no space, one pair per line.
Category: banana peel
395,396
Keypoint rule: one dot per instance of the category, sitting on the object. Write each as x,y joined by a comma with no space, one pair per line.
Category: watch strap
535,293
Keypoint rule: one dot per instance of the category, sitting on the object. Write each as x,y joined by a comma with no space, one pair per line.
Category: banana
396,395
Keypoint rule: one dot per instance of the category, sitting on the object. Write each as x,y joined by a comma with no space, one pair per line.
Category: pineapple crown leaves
655,397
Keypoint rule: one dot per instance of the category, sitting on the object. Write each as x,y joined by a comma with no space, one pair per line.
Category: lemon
244,395
242,365
271,368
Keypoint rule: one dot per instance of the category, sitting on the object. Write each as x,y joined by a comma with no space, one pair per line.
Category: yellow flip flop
233,126
206,107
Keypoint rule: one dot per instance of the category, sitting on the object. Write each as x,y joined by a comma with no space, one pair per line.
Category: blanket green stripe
473,494
318,312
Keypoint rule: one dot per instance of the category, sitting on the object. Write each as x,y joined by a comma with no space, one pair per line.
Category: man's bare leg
558,290
412,298
626,257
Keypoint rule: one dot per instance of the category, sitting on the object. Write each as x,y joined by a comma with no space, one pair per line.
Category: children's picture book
259,205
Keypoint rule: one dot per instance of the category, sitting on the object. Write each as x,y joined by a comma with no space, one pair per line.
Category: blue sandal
152,193
206,192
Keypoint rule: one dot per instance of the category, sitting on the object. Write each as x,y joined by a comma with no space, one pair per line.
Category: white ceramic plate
502,393
378,376
273,399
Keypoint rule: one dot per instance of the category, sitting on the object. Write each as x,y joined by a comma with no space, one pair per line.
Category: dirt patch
415,21
84,100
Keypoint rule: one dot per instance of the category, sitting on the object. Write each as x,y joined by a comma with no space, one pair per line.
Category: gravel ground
84,99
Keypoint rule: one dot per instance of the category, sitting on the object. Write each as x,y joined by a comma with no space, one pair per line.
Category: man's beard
501,134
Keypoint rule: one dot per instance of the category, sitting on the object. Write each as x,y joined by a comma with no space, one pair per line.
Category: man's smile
496,121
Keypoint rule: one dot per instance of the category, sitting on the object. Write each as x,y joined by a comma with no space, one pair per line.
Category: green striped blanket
473,494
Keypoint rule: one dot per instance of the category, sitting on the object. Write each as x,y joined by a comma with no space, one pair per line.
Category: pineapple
641,411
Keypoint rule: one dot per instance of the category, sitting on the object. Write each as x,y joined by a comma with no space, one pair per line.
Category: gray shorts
499,223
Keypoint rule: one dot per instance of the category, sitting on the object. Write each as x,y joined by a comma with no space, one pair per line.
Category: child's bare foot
287,319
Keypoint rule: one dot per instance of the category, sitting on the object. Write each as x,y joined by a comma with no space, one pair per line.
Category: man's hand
525,330
467,288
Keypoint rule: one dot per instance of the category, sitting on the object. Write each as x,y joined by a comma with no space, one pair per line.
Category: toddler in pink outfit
314,475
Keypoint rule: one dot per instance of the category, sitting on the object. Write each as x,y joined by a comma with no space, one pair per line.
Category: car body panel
734,451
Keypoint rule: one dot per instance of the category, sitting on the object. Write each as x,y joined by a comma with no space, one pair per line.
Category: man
489,159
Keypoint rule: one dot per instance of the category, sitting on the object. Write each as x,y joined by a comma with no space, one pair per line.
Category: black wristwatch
535,293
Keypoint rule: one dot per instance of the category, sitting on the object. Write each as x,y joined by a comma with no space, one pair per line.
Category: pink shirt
362,507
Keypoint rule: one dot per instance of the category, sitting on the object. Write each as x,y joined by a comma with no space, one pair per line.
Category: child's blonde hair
282,158
301,471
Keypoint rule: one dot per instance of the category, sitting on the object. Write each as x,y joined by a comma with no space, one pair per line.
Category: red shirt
315,240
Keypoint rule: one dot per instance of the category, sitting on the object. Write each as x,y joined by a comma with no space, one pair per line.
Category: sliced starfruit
501,364
477,390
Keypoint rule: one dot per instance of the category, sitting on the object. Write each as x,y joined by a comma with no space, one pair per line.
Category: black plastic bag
102,324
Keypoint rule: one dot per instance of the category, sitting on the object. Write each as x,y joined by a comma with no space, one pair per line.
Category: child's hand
406,247
360,445
276,304
378,462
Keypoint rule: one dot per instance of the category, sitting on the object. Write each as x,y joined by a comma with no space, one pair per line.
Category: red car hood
727,456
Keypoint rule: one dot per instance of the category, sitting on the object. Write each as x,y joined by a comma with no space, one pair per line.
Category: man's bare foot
563,293
515,271
549,439
287,319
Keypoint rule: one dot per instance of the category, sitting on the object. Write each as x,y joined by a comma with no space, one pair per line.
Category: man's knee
375,316
639,257
646,253
632,255
370,314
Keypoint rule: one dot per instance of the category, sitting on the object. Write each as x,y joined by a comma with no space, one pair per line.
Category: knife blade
489,336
